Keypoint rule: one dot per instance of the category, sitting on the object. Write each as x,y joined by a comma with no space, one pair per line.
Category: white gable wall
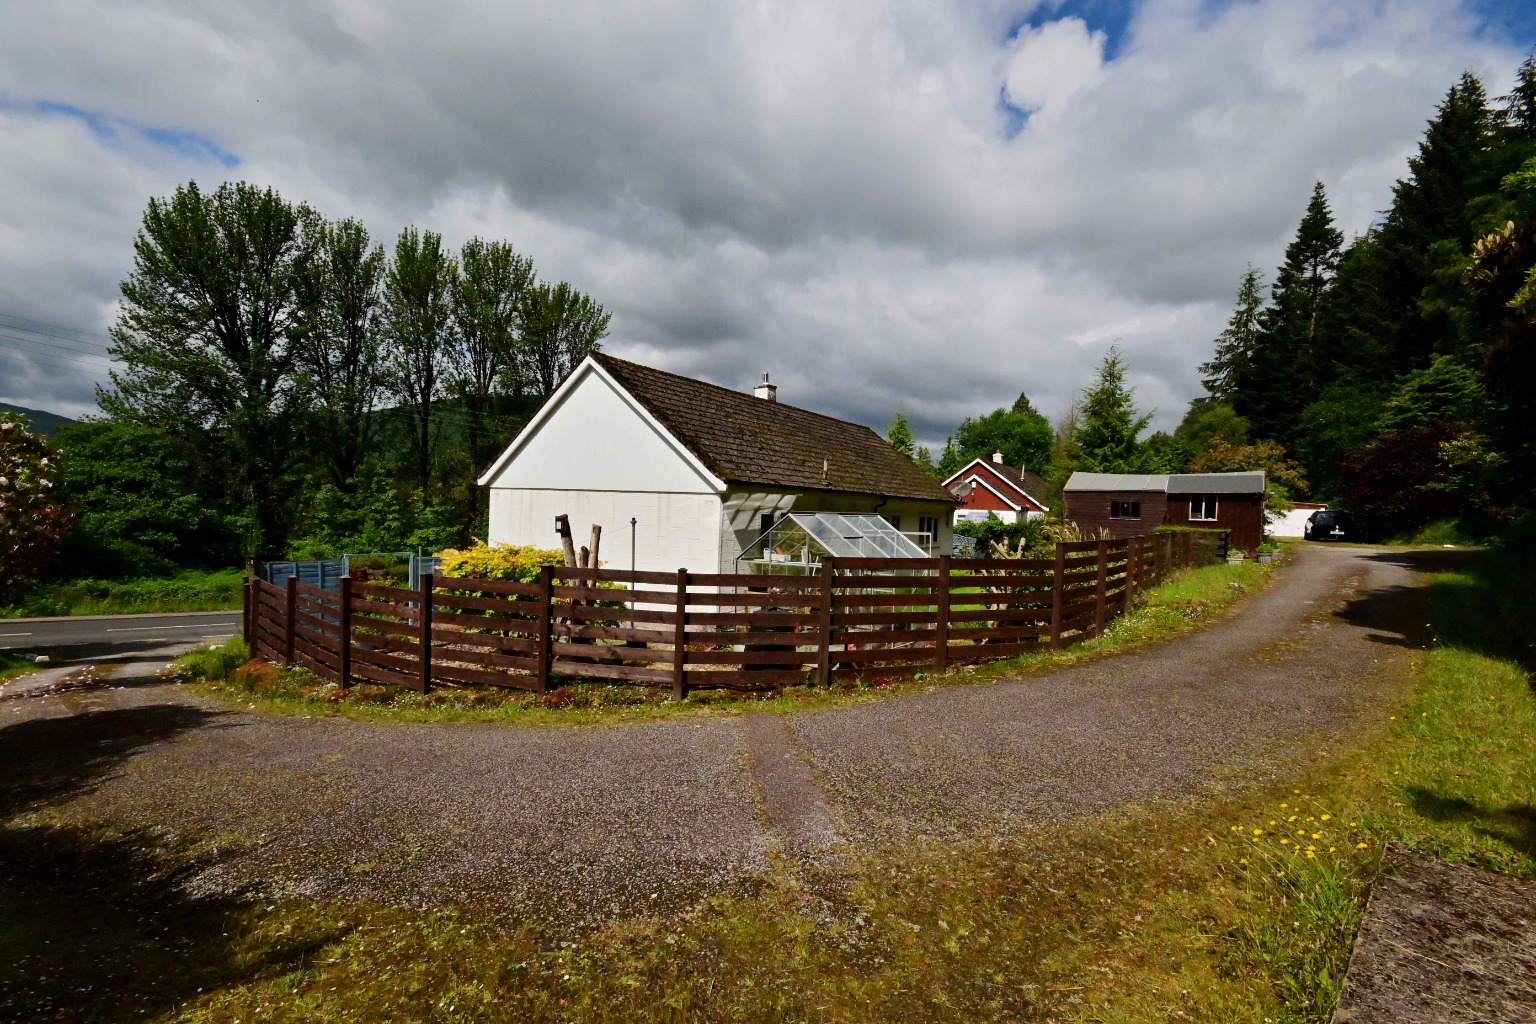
595,456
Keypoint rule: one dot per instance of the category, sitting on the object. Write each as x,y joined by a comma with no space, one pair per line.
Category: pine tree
900,435
1110,425
1288,364
1518,108
1236,345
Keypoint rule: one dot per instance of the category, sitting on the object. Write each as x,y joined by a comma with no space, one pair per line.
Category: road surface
107,632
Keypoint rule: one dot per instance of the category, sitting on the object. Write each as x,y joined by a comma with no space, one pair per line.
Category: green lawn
1183,911
191,590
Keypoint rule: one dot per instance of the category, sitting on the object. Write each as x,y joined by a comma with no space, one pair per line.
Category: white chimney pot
997,457
766,391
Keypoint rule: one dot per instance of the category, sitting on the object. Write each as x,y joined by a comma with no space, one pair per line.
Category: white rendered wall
673,531
595,440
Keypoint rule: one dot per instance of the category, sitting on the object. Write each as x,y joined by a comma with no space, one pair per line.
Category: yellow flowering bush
507,562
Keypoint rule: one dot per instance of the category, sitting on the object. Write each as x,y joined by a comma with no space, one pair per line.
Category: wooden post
1058,583
1099,597
546,627
824,650
289,613
941,628
1132,554
567,545
597,541
344,630
680,639
245,613
428,582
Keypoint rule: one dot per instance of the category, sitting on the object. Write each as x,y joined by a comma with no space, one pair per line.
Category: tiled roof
744,439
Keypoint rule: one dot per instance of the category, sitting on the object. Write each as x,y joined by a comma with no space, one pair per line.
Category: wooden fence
864,618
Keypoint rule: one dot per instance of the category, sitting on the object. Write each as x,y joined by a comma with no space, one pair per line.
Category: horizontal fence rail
858,618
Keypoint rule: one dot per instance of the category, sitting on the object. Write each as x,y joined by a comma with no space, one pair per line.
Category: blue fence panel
324,574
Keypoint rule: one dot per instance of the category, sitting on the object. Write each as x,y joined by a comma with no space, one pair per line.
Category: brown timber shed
1128,504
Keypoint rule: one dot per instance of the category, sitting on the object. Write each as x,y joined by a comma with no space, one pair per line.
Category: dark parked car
1327,525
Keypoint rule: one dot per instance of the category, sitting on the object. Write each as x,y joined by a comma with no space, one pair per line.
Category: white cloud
823,190
1051,63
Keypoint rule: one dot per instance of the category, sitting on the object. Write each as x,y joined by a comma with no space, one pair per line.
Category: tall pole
632,522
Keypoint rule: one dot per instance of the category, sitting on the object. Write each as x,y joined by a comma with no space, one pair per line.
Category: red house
992,487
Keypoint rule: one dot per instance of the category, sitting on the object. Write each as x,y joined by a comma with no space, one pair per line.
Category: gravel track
585,822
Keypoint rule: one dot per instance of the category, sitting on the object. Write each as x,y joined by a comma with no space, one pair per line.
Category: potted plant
1267,552
1234,556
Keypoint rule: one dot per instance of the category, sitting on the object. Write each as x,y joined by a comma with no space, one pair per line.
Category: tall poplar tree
206,335
488,296
338,355
418,311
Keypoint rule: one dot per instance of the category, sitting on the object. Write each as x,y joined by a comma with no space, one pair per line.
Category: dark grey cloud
826,191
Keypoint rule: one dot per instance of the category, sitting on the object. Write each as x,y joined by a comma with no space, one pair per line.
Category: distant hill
44,423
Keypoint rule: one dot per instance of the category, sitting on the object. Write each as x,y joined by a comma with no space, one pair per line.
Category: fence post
1132,553
680,640
289,612
428,582
941,624
344,629
824,648
1058,583
546,627
245,614
1099,596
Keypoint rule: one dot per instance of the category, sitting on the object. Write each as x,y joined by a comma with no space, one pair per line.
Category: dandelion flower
1327,817
1362,846
1285,805
1291,818
1351,824
1311,855
1285,842
1242,860
1258,831
1281,875
1333,849
1317,835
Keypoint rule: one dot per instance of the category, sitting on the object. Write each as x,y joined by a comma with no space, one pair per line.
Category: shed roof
1118,482
1217,483
749,440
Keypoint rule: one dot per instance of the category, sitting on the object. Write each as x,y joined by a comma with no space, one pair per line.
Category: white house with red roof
985,488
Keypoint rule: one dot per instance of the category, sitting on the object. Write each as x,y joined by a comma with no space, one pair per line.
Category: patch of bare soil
1441,943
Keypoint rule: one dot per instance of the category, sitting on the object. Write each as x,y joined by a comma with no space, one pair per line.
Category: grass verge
191,590
1177,605
1239,906
12,665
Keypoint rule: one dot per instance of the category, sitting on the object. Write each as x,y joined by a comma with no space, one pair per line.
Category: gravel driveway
599,820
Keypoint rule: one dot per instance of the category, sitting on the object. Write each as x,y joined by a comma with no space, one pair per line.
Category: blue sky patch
1512,20
1112,17
111,130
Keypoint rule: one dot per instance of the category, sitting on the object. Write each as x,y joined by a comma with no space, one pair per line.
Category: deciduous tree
418,319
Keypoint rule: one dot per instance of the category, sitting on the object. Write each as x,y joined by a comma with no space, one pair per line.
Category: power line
36,326
52,350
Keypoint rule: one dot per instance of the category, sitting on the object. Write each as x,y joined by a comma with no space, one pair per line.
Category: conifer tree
1236,345
1110,425
1288,364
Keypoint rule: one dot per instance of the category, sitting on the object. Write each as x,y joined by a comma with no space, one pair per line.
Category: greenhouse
798,542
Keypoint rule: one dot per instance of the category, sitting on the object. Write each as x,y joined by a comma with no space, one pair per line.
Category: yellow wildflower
1327,817
1258,831
1362,846
1291,818
1311,855
1317,835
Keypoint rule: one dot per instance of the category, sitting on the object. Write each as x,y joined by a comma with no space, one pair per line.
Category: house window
1202,510
765,523
928,525
1125,510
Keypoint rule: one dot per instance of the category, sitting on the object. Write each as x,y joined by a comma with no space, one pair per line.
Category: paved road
105,631
607,819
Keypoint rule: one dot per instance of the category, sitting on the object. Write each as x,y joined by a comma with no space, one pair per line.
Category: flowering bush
498,562
34,513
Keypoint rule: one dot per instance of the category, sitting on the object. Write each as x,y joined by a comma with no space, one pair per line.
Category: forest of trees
286,385
1390,373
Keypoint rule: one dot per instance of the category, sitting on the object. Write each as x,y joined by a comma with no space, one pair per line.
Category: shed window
1125,510
1202,510
928,525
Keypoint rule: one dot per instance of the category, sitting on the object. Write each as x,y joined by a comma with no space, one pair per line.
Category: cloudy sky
921,204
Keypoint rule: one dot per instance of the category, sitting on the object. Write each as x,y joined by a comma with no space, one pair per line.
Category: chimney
765,390
997,457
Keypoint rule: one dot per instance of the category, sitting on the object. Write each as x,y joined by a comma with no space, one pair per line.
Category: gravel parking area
606,819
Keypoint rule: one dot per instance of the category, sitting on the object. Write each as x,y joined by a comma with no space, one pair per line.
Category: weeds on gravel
1187,600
